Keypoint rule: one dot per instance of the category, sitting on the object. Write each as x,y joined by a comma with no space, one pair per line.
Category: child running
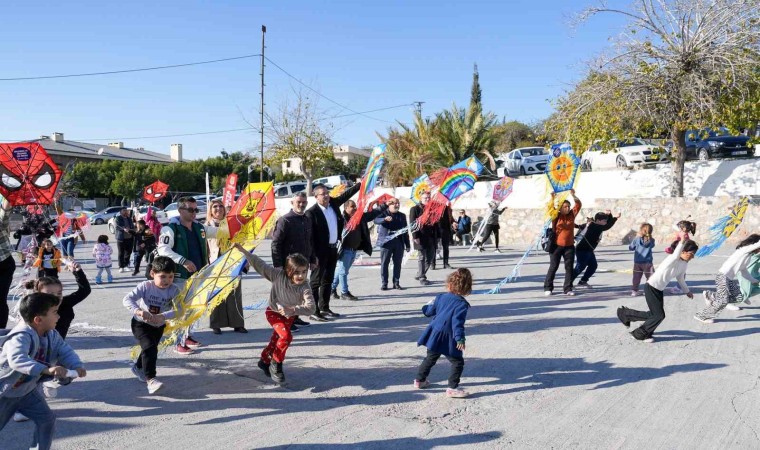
102,254
591,236
726,284
289,298
48,260
50,285
151,304
674,266
31,351
642,257
445,334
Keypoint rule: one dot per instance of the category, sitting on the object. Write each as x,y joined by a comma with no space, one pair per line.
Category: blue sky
364,55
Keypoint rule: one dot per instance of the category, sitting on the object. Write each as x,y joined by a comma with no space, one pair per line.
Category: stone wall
519,227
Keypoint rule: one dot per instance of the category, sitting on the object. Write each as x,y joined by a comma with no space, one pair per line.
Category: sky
361,55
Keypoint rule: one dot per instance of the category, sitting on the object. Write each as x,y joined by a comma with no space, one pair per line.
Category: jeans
7,267
33,406
652,318
67,246
568,254
387,255
125,252
148,336
585,260
425,260
98,277
345,261
457,366
321,279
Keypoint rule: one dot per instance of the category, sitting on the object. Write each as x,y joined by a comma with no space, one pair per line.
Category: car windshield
718,133
631,142
533,152
171,207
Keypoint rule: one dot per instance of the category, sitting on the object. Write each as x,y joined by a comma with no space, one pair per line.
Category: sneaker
481,249
421,384
584,284
620,316
334,294
18,417
747,302
704,320
425,283
98,280
192,343
264,367
648,340
456,393
276,373
294,328
497,251
733,307
300,322
240,330
110,279
154,385
547,293
348,296
634,293
138,373
330,313
447,266
570,293
183,350
216,330
123,270
50,389
318,317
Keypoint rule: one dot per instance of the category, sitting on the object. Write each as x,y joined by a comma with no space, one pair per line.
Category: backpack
549,239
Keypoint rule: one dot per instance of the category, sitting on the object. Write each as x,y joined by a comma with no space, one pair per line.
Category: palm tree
462,132
411,150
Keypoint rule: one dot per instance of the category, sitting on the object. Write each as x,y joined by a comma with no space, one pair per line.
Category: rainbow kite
369,181
420,185
725,227
562,167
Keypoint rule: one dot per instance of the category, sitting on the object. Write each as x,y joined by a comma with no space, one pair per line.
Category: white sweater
737,263
671,267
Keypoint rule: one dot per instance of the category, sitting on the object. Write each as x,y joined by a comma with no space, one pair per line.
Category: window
282,192
297,188
287,164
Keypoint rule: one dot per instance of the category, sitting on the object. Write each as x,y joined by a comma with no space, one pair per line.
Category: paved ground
556,372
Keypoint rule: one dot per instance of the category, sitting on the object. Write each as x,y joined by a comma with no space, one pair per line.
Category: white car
523,161
623,155
141,211
172,211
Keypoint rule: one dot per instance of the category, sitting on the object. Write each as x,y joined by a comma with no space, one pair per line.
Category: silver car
102,217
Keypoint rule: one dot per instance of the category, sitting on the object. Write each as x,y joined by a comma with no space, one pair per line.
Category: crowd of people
311,262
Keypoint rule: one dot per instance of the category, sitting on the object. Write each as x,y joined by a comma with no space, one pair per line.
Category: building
345,153
64,152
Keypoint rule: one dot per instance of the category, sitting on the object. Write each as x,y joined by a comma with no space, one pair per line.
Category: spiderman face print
28,176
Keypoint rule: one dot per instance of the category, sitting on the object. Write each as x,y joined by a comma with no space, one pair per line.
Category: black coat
320,236
292,234
358,238
66,308
428,234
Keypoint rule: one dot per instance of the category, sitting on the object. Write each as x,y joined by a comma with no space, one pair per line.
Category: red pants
281,337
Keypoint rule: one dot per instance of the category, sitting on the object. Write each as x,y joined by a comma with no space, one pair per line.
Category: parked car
332,180
172,211
102,216
141,211
523,161
623,154
288,189
710,144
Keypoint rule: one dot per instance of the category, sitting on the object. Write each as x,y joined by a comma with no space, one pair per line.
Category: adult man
327,226
464,228
391,249
425,239
7,263
184,241
125,229
292,234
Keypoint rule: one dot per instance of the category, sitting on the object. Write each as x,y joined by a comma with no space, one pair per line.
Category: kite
74,221
369,180
502,189
209,286
155,191
562,167
337,190
230,188
420,185
721,230
28,176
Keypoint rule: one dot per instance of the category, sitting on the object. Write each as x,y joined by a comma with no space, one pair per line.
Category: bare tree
678,65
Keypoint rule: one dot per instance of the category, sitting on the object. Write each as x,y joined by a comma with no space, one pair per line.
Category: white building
345,153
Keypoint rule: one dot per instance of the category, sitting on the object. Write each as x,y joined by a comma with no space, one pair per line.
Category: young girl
102,253
685,228
50,285
674,266
289,298
642,256
48,260
726,285
445,334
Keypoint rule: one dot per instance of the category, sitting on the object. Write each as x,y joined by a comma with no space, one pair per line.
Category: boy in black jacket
584,249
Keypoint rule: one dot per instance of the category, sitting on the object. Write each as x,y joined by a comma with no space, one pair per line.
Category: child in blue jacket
445,334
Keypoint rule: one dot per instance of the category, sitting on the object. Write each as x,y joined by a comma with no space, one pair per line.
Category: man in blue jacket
391,249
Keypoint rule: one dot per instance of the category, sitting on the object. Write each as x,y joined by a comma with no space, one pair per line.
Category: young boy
30,351
151,304
590,236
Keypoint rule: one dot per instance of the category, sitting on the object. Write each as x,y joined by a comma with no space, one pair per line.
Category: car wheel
522,171
621,162
111,228
703,155
98,221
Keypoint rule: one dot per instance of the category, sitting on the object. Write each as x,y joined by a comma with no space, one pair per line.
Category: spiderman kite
28,176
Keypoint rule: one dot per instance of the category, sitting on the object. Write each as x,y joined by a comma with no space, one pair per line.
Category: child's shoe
192,343
110,279
264,367
634,293
733,307
138,373
456,393
421,384
277,374
154,385
98,280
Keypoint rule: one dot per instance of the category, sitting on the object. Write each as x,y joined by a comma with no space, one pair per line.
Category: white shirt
332,222
671,267
737,263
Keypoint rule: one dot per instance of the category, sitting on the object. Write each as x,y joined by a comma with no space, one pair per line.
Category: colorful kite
230,188
337,190
28,176
155,191
75,220
208,287
420,185
502,189
562,168
725,227
369,180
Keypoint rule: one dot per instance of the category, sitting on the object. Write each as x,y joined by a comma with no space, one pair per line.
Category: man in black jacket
590,235
327,226
425,239
446,232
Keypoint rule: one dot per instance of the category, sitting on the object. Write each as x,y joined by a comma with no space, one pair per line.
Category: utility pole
261,131
418,107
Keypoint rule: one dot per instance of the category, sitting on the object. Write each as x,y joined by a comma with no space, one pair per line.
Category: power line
322,95
144,69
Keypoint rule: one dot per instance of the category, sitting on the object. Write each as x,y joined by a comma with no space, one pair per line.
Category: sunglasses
192,210
218,206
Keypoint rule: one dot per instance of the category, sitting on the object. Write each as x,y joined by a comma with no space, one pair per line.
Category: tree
475,92
462,132
512,135
679,65
299,131
411,151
